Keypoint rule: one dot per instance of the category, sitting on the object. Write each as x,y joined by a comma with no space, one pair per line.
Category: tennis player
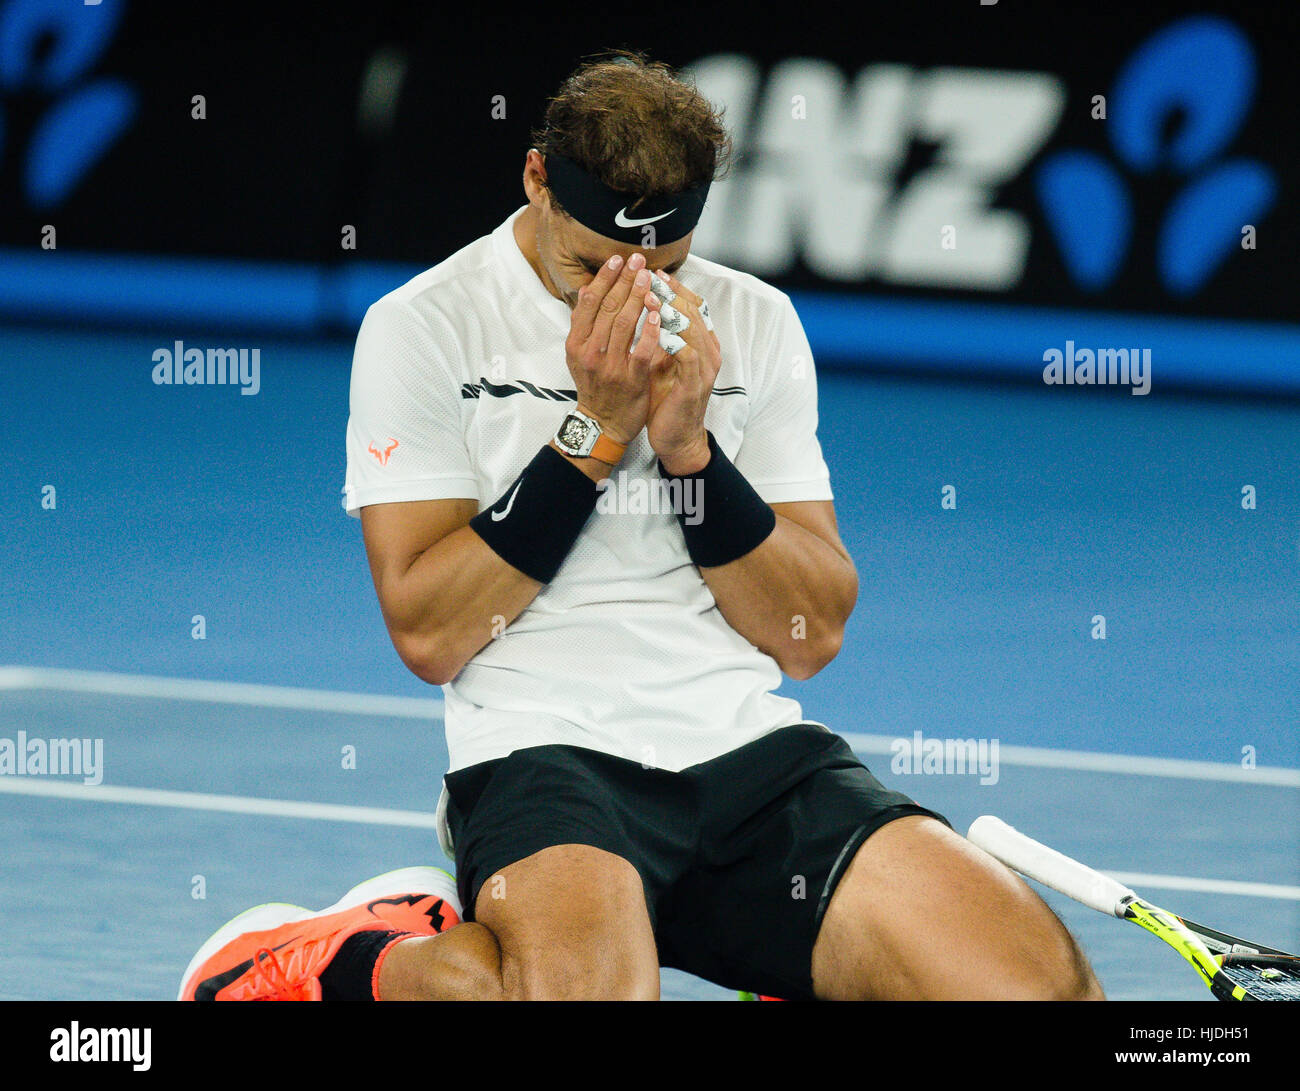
607,547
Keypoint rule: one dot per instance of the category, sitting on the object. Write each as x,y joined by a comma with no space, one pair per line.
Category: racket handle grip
1049,867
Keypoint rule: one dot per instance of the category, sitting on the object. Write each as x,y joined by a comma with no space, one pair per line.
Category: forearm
779,573
463,591
790,597
451,602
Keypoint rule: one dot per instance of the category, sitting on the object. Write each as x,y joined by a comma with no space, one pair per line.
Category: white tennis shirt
458,378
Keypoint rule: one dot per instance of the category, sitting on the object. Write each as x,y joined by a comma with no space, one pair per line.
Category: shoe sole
409,880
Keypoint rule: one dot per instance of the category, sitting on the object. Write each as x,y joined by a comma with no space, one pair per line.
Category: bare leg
569,922
923,914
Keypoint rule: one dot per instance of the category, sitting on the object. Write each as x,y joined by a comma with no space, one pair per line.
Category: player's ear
535,179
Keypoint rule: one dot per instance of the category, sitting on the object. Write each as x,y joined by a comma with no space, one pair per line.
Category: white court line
226,693
424,708
1138,881
202,801
381,816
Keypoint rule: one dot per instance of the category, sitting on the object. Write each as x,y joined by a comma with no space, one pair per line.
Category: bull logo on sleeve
383,455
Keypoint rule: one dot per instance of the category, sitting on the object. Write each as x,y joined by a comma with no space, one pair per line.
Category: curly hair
636,125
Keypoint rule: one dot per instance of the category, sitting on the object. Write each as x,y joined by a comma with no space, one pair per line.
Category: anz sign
49,48
821,172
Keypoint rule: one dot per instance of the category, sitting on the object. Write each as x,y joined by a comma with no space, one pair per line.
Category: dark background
282,160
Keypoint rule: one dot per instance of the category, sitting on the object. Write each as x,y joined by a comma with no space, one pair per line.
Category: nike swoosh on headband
623,221
497,516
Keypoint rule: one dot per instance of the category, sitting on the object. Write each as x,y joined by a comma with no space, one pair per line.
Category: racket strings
1263,977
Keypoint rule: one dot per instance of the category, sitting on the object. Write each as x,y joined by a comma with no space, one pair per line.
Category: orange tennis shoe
278,951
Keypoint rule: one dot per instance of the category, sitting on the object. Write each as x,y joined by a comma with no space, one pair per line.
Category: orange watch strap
606,450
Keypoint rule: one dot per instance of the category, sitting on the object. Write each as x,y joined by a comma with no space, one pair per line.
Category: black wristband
733,519
535,523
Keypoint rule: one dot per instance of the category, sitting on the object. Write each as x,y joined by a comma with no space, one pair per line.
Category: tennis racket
1233,968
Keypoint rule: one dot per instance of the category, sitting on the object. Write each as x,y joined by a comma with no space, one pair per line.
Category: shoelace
269,971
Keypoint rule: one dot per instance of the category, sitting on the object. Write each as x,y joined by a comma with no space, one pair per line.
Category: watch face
573,432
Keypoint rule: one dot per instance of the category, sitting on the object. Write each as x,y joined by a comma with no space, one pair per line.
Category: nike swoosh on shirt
623,221
497,516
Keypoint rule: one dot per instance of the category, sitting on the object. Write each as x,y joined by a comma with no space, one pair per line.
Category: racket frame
1204,948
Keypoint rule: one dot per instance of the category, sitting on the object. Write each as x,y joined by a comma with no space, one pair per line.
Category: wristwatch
580,436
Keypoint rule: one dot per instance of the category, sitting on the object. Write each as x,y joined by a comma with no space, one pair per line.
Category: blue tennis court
314,759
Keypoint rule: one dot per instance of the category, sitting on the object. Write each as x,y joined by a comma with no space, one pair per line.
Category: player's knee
599,977
1069,984
1076,980
1058,970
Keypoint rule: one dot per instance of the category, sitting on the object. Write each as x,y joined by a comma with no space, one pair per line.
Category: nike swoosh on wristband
497,516
623,221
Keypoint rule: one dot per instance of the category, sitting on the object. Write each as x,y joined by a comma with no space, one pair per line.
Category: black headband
593,204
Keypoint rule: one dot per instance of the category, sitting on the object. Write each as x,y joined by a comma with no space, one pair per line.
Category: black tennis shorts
739,856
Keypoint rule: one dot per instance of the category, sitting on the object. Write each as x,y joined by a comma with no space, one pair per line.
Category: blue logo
49,47
1203,68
